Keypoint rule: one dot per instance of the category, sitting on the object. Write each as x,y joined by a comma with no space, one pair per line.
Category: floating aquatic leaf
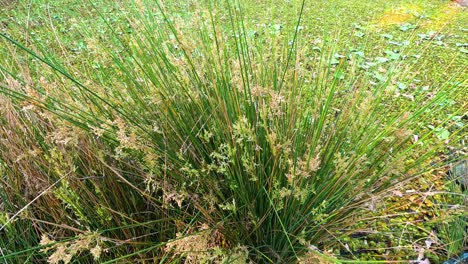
252,33
338,56
392,55
430,35
440,132
276,28
403,43
402,86
423,36
387,36
438,37
359,53
458,121
357,26
447,102
359,34
407,26
334,61
379,76
381,59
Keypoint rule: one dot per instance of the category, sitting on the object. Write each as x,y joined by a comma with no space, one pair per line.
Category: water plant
191,131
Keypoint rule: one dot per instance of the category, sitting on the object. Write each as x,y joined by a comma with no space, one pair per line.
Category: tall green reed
196,123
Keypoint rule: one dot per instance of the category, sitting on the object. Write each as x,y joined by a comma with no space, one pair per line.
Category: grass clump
202,143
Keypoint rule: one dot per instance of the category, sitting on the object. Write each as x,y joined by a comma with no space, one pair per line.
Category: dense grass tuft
194,140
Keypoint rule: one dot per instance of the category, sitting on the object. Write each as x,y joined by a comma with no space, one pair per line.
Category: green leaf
334,61
359,53
252,33
357,26
423,36
381,60
338,56
379,76
440,132
400,44
387,36
431,34
407,26
443,134
359,34
458,121
392,55
277,27
395,43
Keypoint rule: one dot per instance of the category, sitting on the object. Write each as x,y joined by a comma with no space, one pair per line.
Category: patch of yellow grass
402,14
447,13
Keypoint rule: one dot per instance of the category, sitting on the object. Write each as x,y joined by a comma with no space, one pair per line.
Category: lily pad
440,132
359,34
392,55
359,53
381,60
402,86
403,43
334,61
407,26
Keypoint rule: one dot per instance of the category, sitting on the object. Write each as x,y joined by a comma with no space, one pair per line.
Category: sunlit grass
190,137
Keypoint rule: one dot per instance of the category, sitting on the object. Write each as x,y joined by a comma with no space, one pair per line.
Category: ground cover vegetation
232,131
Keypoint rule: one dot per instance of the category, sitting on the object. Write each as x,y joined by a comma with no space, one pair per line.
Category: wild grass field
233,131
